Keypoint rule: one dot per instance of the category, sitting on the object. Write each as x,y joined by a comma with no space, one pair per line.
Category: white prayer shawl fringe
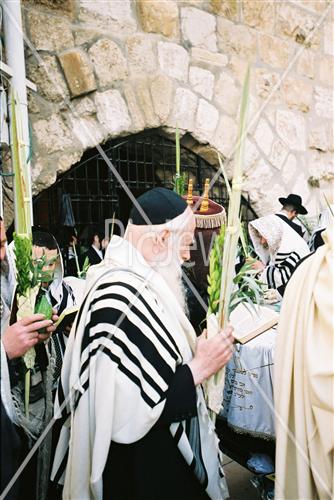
285,249
304,380
97,420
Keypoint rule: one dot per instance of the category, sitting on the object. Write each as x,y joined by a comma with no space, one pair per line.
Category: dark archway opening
144,161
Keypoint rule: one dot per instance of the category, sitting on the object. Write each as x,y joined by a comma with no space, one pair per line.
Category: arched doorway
143,161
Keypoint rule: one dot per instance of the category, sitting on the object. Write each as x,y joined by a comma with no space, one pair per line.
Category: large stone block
275,52
321,135
291,129
141,56
86,130
236,39
52,134
145,102
305,63
45,30
162,94
329,39
251,155
85,36
238,67
259,14
138,122
206,121
184,109
225,8
114,17
62,6
78,72
173,60
317,6
48,77
258,180
159,17
201,81
207,58
320,165
289,170
227,94
66,161
225,136
297,94
199,28
278,154
324,102
84,106
112,112
326,70
108,61
267,84
264,136
294,23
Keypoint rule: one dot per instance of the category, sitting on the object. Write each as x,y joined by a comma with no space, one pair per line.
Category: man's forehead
39,251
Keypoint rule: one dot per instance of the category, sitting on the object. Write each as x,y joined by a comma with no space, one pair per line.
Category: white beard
172,274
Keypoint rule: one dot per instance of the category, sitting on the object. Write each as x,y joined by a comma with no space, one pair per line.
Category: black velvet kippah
160,205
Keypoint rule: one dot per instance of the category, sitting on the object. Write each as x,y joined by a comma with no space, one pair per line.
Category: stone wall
110,68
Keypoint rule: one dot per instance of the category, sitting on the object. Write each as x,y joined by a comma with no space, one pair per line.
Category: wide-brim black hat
296,201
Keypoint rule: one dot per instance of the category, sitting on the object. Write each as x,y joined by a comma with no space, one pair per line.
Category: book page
247,321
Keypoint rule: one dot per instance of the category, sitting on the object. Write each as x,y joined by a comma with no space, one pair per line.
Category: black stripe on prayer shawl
288,266
131,357
283,279
65,411
133,333
270,277
61,469
287,274
105,350
148,307
178,434
194,438
140,315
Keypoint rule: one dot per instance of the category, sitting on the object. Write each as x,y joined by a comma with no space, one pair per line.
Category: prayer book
250,322
66,318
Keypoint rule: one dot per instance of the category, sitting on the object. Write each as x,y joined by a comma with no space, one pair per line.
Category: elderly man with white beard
136,424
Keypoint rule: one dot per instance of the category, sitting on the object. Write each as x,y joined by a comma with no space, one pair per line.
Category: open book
248,323
66,318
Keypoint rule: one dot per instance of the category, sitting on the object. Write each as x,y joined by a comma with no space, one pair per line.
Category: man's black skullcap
160,205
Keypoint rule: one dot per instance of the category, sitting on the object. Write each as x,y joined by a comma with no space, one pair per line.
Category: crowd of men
116,405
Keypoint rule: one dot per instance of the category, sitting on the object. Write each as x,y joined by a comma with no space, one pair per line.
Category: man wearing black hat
292,206
133,369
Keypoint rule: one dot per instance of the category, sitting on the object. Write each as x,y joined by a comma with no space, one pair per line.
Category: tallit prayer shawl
285,249
130,335
304,381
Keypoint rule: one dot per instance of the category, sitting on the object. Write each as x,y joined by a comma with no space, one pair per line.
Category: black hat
296,201
159,205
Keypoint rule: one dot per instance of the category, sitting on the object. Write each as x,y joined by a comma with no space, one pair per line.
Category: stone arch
114,68
143,161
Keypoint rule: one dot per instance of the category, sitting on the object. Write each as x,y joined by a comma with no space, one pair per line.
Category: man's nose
185,255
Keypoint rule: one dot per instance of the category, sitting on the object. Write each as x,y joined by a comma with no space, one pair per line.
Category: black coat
92,255
10,454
